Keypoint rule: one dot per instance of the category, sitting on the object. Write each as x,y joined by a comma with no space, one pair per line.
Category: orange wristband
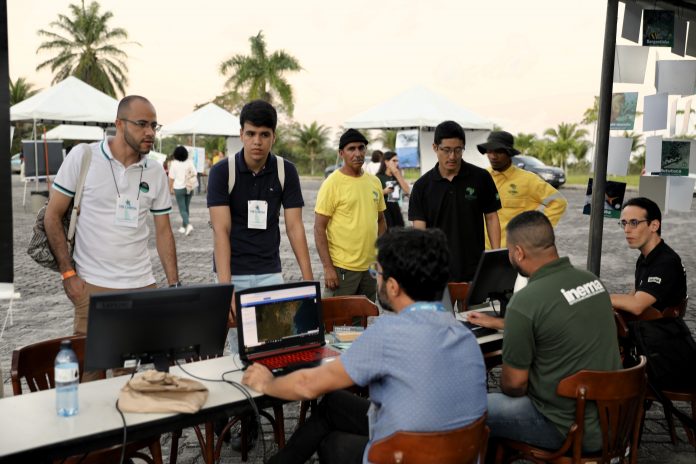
68,274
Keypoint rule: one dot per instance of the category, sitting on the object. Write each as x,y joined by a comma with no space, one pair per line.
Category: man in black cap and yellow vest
349,216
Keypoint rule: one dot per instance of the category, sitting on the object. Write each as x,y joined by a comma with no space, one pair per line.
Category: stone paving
44,312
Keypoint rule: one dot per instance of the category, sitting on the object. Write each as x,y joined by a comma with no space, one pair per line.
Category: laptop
281,327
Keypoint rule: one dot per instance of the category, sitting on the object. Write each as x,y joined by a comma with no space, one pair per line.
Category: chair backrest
35,363
619,398
460,446
347,310
458,292
677,310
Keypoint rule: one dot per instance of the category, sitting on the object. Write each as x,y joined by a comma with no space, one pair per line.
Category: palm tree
261,74
564,141
523,142
21,89
87,48
311,140
591,115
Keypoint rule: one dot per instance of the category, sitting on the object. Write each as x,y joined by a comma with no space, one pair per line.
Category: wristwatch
68,274
177,284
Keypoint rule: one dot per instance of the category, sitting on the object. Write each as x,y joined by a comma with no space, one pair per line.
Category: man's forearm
222,251
166,248
298,242
322,244
57,241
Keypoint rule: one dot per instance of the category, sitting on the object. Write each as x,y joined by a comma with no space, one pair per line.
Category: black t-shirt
254,251
457,207
662,275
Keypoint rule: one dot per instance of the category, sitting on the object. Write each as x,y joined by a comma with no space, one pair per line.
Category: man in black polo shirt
457,197
660,275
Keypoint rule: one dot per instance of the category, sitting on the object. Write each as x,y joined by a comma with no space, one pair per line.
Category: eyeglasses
449,150
632,223
143,124
373,270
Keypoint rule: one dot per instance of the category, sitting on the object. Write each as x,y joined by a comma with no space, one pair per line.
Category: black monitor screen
494,279
158,325
53,149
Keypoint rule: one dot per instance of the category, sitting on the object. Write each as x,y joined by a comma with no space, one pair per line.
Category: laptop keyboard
477,330
282,360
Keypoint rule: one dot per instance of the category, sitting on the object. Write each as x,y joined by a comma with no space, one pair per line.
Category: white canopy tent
71,132
69,101
423,109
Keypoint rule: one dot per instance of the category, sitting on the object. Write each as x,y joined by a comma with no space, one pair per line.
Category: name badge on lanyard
127,211
257,212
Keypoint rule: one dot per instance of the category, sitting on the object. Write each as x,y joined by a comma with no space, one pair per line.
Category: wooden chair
458,292
342,310
686,395
619,398
35,363
466,445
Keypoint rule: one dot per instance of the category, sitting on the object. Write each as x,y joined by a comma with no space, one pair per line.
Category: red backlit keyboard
306,356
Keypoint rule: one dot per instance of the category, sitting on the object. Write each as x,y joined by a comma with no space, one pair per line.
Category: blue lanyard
422,306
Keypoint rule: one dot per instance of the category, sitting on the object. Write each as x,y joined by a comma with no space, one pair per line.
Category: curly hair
417,259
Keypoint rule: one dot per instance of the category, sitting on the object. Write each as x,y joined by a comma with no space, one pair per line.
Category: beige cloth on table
160,392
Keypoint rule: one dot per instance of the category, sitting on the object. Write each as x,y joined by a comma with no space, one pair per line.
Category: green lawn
581,179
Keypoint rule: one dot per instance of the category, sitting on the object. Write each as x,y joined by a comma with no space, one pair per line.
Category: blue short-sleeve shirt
425,372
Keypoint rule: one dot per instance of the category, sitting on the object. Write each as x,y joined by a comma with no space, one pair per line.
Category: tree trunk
312,155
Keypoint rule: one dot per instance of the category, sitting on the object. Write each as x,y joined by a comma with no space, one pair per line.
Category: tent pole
36,157
594,252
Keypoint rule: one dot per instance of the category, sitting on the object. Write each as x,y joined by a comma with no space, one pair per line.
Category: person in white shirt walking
182,182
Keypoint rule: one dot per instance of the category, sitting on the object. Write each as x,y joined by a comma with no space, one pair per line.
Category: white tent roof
417,107
70,100
208,120
72,132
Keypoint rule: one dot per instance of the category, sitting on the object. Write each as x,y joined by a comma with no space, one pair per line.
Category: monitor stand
161,362
503,298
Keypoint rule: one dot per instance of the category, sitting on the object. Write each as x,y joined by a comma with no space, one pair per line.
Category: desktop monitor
494,280
156,325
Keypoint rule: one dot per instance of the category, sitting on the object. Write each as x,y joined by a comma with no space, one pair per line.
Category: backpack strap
232,168
84,167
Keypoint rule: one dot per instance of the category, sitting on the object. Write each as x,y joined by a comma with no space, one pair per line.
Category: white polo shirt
106,254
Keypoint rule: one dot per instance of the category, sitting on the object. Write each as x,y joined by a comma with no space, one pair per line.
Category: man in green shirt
559,324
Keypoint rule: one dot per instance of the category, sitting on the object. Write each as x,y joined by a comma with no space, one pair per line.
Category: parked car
16,164
551,174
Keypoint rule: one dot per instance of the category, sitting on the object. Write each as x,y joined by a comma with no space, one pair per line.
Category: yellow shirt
353,204
521,191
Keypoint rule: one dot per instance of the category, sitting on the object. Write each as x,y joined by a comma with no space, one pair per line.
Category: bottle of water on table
67,377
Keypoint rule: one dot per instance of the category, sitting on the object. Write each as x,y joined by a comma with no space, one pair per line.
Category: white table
31,431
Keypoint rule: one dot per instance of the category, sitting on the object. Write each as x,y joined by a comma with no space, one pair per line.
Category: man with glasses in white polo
457,197
349,216
122,185
660,279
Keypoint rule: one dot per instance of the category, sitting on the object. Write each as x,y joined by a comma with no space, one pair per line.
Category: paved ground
44,311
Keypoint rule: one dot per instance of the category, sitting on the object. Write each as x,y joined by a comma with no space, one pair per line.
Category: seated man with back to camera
559,324
660,279
415,384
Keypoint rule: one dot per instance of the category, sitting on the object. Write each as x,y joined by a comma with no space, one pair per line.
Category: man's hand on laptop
257,376
484,320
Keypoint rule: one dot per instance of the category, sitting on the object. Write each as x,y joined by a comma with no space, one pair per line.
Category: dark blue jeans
183,199
337,430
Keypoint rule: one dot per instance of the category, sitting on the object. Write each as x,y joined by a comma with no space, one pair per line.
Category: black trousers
337,430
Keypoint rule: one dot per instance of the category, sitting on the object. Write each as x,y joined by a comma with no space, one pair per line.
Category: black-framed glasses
374,271
449,150
143,124
631,223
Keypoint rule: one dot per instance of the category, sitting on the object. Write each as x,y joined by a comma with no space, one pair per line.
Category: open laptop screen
277,317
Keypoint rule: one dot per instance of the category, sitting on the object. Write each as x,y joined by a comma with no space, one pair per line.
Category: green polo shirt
559,324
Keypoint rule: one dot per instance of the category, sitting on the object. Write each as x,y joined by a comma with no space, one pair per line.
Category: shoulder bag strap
84,167
281,171
232,168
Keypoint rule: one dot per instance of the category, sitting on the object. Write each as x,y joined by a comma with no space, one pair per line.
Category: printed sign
407,148
613,198
623,110
658,28
675,158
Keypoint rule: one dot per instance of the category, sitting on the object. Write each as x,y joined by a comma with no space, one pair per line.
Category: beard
134,144
383,299
519,270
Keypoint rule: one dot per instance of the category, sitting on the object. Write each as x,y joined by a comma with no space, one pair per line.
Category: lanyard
423,306
116,184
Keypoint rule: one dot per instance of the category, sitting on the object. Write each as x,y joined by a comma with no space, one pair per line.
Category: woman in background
182,181
394,188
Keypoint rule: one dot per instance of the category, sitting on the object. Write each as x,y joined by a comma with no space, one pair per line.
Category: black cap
351,135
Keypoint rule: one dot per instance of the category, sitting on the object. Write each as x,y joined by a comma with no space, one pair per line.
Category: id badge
127,211
257,214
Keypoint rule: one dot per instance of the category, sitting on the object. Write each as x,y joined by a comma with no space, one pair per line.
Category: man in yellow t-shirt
519,190
349,216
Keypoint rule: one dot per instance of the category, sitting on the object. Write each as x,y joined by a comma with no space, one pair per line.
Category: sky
526,66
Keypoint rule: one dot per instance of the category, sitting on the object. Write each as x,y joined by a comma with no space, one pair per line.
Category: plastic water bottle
67,378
